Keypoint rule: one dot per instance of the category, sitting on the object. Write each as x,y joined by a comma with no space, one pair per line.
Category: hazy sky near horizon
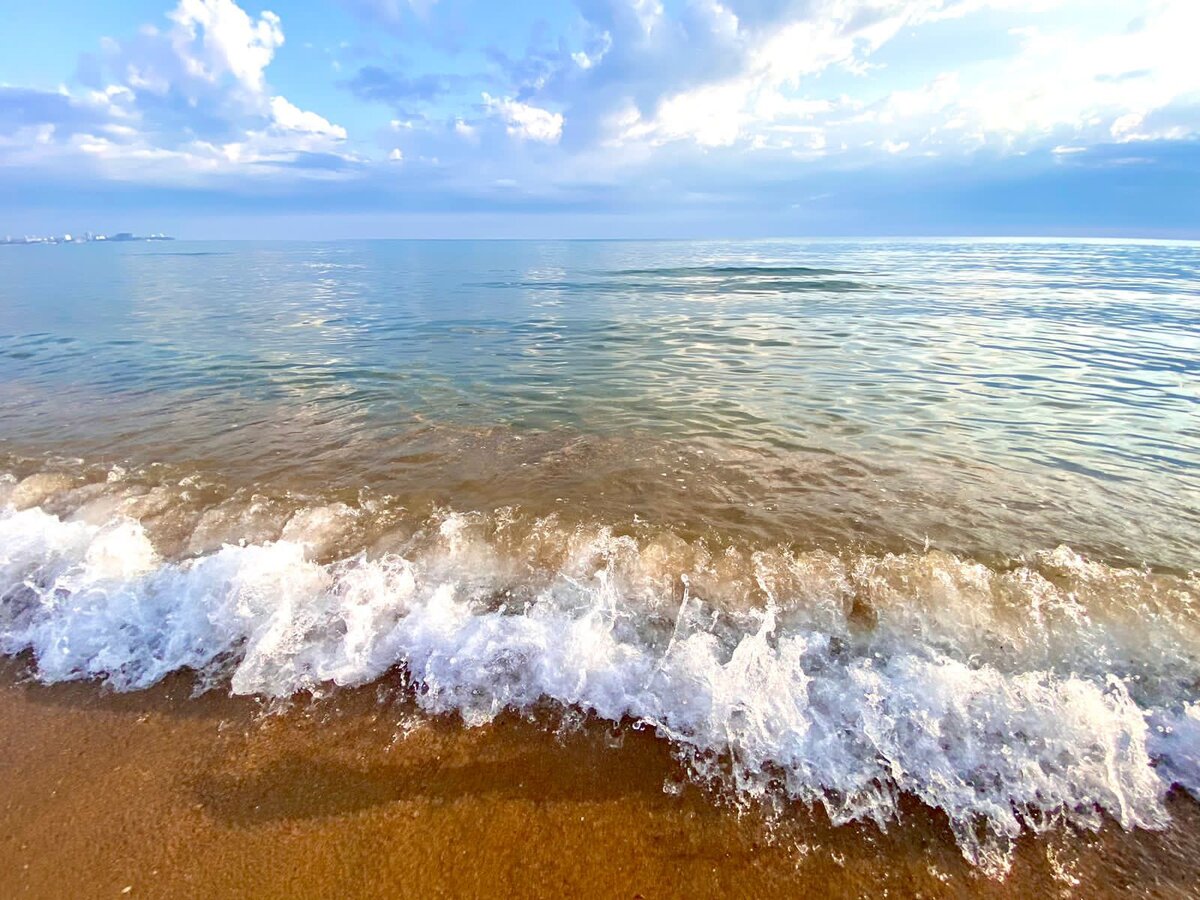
592,118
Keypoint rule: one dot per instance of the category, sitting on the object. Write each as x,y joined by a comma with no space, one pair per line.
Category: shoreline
903,532
359,795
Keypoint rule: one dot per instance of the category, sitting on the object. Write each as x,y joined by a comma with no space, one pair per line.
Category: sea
847,525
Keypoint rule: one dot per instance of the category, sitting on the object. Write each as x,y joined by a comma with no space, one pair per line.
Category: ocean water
843,521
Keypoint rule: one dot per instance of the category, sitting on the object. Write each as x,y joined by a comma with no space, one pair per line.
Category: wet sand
162,794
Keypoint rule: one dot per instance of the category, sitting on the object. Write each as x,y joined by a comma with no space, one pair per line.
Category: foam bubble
1008,699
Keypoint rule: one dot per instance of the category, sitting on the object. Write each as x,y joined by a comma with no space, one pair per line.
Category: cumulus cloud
1137,82
175,102
465,130
29,108
525,121
692,101
748,74
289,117
212,37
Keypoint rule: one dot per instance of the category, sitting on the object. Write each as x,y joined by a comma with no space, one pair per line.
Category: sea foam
1047,693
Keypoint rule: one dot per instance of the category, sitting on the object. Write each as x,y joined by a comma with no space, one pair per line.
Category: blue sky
598,118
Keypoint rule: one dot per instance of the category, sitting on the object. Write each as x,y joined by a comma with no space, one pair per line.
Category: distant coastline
87,237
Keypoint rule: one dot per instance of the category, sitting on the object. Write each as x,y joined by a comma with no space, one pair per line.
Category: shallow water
842,521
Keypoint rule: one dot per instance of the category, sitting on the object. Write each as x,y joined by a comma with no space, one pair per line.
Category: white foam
1001,698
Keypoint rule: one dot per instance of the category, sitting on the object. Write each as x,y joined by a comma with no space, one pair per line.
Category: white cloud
587,60
191,98
736,88
712,116
1101,72
213,37
1134,82
291,118
771,58
649,14
524,121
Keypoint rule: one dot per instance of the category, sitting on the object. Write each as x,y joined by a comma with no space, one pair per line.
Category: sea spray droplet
1001,698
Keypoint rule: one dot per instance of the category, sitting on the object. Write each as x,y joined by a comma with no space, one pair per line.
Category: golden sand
162,794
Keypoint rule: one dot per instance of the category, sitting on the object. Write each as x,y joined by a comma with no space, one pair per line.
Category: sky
601,118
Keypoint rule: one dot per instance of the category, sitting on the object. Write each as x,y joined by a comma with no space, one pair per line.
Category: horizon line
998,238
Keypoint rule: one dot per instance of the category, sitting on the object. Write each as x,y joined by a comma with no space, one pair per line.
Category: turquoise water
842,522
985,395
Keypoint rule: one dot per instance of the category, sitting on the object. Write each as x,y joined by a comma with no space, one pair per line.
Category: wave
761,271
1056,690
718,283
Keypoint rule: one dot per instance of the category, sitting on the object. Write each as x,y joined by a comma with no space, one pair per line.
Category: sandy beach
159,794
540,569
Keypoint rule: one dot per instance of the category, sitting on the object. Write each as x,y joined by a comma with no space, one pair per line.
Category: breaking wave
1053,690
